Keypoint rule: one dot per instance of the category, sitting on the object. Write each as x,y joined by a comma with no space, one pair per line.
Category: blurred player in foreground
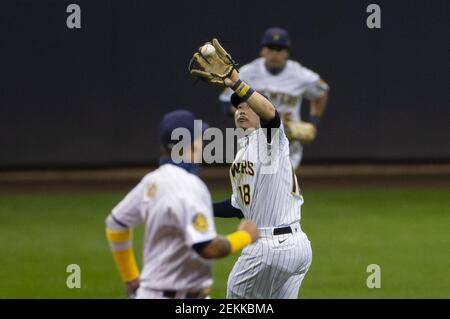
180,237
265,189
286,83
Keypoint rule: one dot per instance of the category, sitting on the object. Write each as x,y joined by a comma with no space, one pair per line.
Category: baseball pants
271,268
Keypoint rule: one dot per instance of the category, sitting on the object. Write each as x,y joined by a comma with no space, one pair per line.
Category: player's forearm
259,104
120,242
317,108
218,248
224,246
319,105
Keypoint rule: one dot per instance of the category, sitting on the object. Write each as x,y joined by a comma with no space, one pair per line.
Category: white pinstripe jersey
176,208
264,184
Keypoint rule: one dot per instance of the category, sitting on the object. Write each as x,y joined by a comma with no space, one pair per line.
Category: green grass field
404,231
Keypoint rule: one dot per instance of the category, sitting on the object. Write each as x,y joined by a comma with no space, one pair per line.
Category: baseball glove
213,68
301,131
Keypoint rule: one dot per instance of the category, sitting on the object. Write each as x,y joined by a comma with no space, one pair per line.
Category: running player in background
285,82
180,237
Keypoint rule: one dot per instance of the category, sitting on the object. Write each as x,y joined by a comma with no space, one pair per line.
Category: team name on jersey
244,167
279,98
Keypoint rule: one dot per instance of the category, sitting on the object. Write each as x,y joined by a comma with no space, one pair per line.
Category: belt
282,230
275,231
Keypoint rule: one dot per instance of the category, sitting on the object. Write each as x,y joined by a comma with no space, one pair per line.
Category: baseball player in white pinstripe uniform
265,190
286,83
180,238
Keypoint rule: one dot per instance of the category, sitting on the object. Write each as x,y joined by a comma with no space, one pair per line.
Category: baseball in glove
213,67
301,131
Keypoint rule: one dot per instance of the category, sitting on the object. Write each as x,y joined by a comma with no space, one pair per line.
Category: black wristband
236,85
242,89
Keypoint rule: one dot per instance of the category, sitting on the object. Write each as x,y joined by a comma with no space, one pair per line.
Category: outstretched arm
259,104
221,246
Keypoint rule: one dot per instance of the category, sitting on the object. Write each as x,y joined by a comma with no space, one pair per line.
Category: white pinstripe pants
271,268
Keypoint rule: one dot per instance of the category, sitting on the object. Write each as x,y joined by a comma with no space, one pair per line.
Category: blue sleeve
226,210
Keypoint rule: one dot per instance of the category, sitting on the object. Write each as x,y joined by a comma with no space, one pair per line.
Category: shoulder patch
151,192
200,222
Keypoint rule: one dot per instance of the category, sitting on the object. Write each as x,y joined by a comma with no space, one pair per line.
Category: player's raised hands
212,63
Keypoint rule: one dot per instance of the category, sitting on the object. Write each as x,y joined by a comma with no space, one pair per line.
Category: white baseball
207,50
